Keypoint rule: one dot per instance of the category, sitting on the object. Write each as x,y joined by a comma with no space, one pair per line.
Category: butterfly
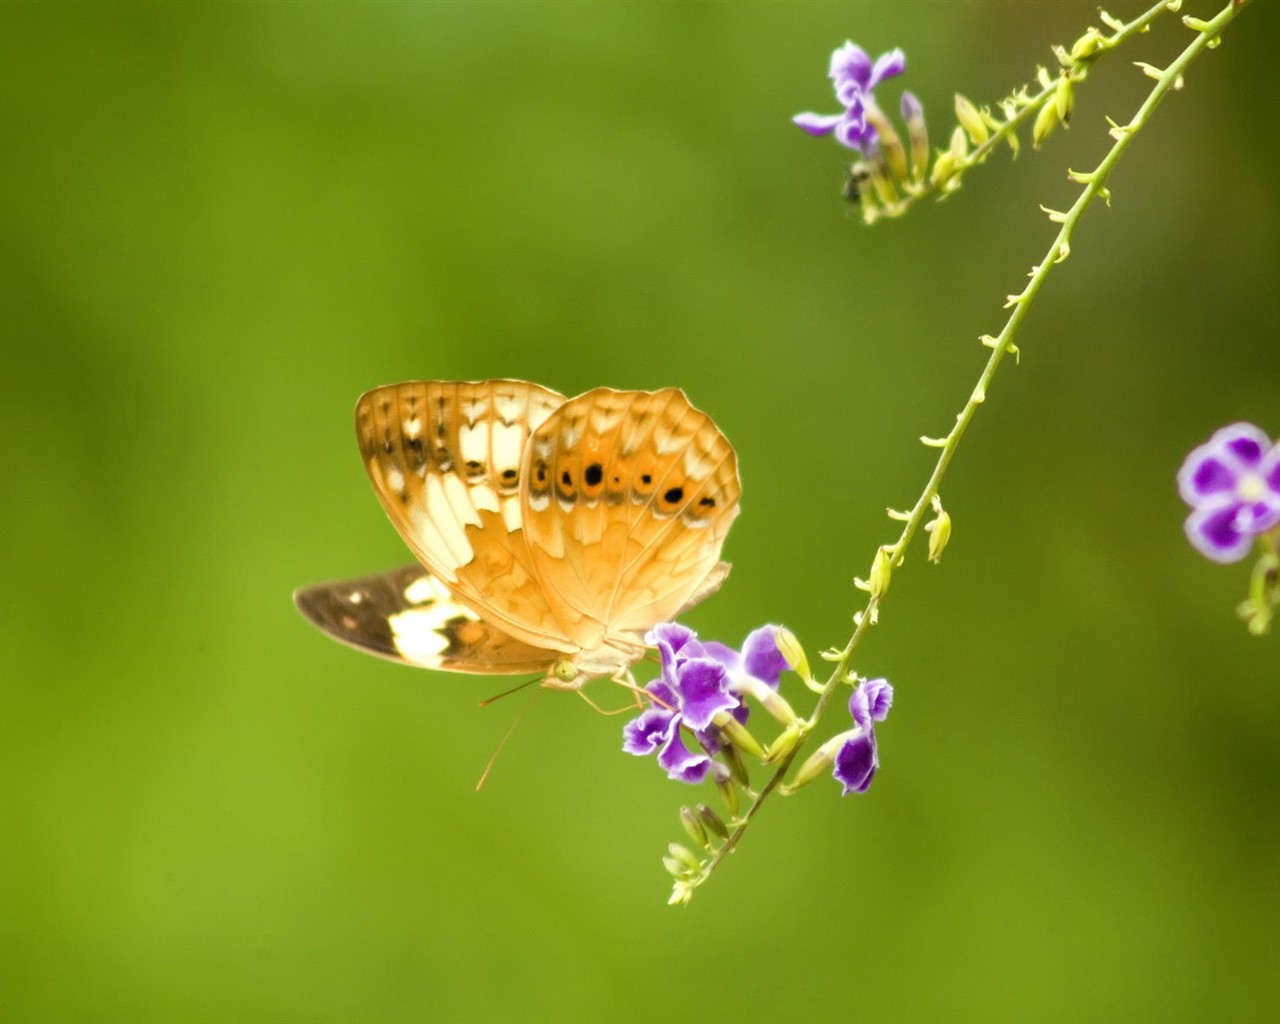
551,533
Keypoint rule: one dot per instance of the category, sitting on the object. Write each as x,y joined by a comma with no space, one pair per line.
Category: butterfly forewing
628,497
446,461
409,616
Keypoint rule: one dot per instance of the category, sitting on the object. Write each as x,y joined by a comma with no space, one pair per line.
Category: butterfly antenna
510,729
507,693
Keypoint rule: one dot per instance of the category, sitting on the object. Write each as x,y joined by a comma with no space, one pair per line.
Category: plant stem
1094,185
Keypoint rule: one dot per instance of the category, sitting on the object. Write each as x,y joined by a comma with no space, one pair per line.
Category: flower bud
1064,99
918,134
737,767
1046,121
783,745
818,762
880,180
944,170
724,784
789,647
939,530
971,120
693,825
1086,45
895,155
675,868
711,821
738,735
881,573
685,856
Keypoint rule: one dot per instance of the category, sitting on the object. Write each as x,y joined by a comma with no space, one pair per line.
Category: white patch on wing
443,520
459,498
508,443
508,408
395,480
473,444
484,498
665,443
426,589
511,514
695,465
412,428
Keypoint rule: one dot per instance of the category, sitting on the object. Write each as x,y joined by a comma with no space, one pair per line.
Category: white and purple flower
1232,484
856,759
700,682
854,76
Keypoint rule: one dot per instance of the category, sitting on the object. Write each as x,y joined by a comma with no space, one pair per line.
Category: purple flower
856,760
1232,484
854,77
699,681
691,691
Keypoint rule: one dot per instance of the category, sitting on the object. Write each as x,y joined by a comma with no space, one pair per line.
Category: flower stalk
889,556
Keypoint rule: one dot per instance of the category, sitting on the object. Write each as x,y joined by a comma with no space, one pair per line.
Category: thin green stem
1075,66
1001,345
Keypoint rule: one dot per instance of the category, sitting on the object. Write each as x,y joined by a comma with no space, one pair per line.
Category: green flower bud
725,786
1046,121
971,120
890,143
783,745
711,821
692,825
1064,99
881,572
738,734
939,530
789,647
685,856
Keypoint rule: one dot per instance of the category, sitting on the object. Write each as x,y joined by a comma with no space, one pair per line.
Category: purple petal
669,637
856,762
1214,531
681,763
853,129
879,697
761,657
1205,474
1245,441
726,655
1258,516
849,92
860,707
1270,469
817,124
663,695
850,62
645,734
911,107
887,65
702,692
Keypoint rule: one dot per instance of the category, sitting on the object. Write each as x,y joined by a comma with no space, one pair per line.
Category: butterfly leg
615,711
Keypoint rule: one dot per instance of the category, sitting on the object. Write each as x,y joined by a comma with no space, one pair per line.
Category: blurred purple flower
1232,484
854,77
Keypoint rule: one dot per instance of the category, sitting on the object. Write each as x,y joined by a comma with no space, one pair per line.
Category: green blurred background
221,223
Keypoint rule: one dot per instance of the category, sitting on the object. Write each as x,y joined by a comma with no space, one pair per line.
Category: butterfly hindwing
409,616
446,460
628,497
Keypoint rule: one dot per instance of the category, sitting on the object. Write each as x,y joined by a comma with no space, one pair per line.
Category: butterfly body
552,533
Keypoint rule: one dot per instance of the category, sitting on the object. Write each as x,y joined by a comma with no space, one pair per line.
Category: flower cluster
702,692
700,689
855,77
1232,484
